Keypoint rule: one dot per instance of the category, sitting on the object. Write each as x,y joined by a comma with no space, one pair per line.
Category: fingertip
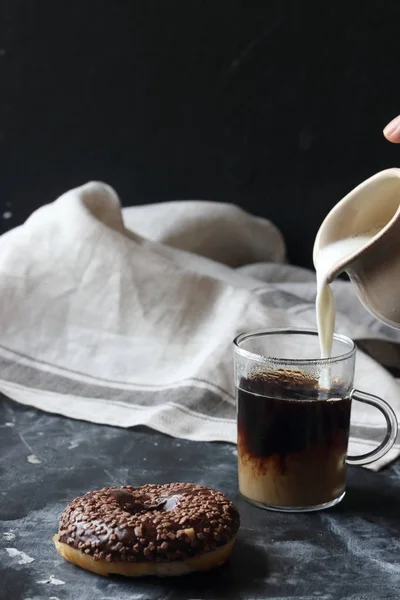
392,131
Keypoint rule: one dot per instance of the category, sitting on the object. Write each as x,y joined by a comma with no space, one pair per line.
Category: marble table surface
350,552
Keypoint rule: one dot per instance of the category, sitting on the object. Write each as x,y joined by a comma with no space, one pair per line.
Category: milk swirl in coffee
292,439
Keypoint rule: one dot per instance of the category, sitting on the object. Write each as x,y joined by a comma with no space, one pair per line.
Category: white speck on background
53,580
234,452
156,443
73,445
7,214
111,477
54,598
25,559
34,460
8,424
23,440
9,536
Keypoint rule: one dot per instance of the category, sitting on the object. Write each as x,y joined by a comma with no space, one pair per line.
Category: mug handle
391,431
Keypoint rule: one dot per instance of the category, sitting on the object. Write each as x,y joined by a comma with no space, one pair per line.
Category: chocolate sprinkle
149,523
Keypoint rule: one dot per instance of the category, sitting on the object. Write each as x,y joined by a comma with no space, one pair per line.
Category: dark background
276,106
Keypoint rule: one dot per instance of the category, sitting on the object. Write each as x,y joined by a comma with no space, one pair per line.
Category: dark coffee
292,439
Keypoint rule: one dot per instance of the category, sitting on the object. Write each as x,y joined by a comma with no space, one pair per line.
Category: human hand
392,131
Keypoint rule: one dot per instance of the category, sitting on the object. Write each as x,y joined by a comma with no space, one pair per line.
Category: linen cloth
126,316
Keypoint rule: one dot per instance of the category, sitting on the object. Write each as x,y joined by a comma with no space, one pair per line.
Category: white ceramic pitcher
374,268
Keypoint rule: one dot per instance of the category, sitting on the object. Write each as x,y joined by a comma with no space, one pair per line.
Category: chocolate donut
169,529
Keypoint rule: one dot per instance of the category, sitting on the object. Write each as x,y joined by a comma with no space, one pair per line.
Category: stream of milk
326,260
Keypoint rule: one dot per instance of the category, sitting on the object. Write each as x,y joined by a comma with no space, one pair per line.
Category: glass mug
293,418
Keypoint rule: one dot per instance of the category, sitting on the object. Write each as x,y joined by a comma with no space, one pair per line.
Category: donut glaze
148,524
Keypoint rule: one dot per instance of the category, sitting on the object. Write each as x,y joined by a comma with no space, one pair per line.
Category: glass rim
292,361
